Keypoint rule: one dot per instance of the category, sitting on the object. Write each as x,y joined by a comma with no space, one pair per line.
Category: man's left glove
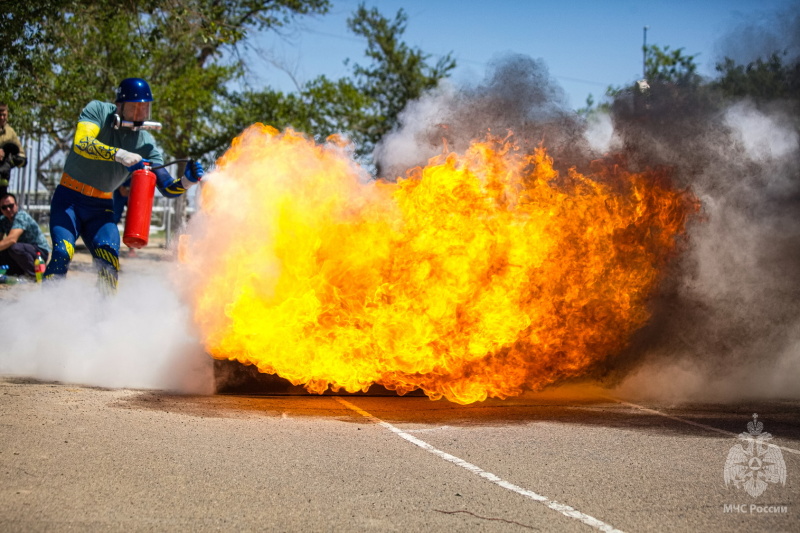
194,171
128,159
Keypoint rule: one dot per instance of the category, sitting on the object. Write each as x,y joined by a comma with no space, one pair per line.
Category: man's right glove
128,159
194,171
192,174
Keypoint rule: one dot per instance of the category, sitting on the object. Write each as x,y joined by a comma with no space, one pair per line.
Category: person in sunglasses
22,240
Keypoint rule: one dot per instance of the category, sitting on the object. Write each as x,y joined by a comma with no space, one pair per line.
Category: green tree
242,109
364,106
663,65
396,74
761,79
663,68
320,108
22,34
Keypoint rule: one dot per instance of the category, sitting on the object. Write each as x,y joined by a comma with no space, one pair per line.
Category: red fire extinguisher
140,207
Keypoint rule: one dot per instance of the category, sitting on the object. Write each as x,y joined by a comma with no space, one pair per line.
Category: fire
479,275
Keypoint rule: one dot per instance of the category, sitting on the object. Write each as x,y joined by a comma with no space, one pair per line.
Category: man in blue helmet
110,142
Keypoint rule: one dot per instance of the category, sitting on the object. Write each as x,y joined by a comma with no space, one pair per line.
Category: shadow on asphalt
555,406
574,404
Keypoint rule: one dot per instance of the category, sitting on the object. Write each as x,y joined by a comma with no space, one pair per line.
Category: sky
586,45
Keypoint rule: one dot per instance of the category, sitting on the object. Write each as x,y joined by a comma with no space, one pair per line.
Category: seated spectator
22,239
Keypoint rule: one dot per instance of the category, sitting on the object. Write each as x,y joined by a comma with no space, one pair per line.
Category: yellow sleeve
15,140
86,144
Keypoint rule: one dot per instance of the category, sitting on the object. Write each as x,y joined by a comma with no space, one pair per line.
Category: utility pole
644,54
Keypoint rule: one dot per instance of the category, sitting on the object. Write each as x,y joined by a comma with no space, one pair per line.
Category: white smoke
600,133
412,145
141,338
764,138
666,379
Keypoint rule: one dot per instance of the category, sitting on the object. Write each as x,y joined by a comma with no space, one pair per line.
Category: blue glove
194,171
138,165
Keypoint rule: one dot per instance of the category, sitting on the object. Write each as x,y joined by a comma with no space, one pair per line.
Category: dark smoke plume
759,36
518,95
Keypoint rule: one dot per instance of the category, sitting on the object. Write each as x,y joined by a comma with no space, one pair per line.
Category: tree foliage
663,65
664,68
363,106
396,74
63,53
762,79
674,74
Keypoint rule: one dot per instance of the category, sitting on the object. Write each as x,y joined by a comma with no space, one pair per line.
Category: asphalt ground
91,459
571,459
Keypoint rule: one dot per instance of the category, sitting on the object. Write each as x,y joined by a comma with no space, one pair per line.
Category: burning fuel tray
233,377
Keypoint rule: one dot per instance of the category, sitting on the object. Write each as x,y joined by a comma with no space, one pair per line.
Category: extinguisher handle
144,163
174,162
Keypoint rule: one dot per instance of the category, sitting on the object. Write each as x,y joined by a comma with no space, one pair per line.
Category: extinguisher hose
176,161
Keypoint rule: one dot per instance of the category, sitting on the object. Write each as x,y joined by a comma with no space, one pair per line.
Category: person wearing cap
110,142
11,153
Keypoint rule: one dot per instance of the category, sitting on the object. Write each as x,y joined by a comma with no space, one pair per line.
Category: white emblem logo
757,463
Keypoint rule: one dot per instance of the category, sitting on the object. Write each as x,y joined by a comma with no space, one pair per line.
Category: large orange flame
478,276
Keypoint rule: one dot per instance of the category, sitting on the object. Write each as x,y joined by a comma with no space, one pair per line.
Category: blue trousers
119,205
73,214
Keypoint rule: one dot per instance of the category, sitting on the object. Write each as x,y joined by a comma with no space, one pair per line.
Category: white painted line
430,430
566,510
690,422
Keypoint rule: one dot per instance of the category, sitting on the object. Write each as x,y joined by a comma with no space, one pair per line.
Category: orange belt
82,188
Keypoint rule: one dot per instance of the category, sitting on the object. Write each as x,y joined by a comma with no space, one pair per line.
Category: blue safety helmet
134,90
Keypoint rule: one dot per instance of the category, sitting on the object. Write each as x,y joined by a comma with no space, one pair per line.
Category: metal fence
34,184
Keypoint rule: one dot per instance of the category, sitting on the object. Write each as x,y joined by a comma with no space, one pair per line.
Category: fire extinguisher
140,207
140,204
